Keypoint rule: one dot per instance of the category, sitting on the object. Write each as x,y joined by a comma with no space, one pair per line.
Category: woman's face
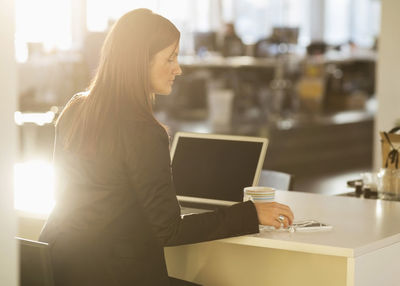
163,69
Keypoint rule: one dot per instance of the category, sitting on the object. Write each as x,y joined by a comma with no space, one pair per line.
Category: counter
362,249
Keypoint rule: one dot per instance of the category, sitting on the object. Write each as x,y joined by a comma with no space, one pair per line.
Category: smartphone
301,226
311,226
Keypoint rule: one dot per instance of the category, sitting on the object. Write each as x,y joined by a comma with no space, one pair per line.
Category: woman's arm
149,170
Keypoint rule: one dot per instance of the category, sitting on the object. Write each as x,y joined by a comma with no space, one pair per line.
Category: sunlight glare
37,118
34,187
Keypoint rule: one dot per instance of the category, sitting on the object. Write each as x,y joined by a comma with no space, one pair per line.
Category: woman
116,205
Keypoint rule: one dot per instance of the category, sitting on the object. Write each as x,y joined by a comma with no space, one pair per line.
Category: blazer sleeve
148,166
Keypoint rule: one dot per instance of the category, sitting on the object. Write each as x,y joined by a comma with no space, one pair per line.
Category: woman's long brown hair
120,89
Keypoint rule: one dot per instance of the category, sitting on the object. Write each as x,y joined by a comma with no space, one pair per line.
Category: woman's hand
269,213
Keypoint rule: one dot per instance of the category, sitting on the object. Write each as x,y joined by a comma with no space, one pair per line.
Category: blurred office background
299,72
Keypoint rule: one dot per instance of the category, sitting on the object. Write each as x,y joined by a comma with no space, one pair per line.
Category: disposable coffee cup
259,194
220,108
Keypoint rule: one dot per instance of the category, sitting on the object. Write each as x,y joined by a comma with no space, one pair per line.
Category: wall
388,76
8,143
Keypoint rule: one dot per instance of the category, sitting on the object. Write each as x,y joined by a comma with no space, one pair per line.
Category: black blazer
115,213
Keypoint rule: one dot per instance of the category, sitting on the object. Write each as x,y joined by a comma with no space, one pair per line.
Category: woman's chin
164,92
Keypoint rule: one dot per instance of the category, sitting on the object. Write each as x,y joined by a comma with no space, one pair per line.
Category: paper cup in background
220,104
259,194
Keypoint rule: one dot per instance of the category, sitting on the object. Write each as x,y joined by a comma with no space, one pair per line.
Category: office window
188,16
298,15
254,19
376,17
337,21
355,20
100,13
177,11
366,21
251,20
228,11
42,21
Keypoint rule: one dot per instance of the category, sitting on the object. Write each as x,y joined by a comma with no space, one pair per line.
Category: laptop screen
216,167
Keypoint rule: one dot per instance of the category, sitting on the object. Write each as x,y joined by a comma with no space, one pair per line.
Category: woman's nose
178,70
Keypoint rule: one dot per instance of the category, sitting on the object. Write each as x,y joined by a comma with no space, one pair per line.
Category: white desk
362,249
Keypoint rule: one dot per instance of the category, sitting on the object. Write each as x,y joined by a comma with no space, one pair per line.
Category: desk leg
350,272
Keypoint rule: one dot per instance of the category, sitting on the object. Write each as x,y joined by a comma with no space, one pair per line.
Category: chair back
277,180
35,263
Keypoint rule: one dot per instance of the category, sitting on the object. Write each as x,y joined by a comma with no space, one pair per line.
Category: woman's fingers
276,224
285,211
288,214
274,214
283,220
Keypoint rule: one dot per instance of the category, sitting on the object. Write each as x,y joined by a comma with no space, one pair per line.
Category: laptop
211,170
